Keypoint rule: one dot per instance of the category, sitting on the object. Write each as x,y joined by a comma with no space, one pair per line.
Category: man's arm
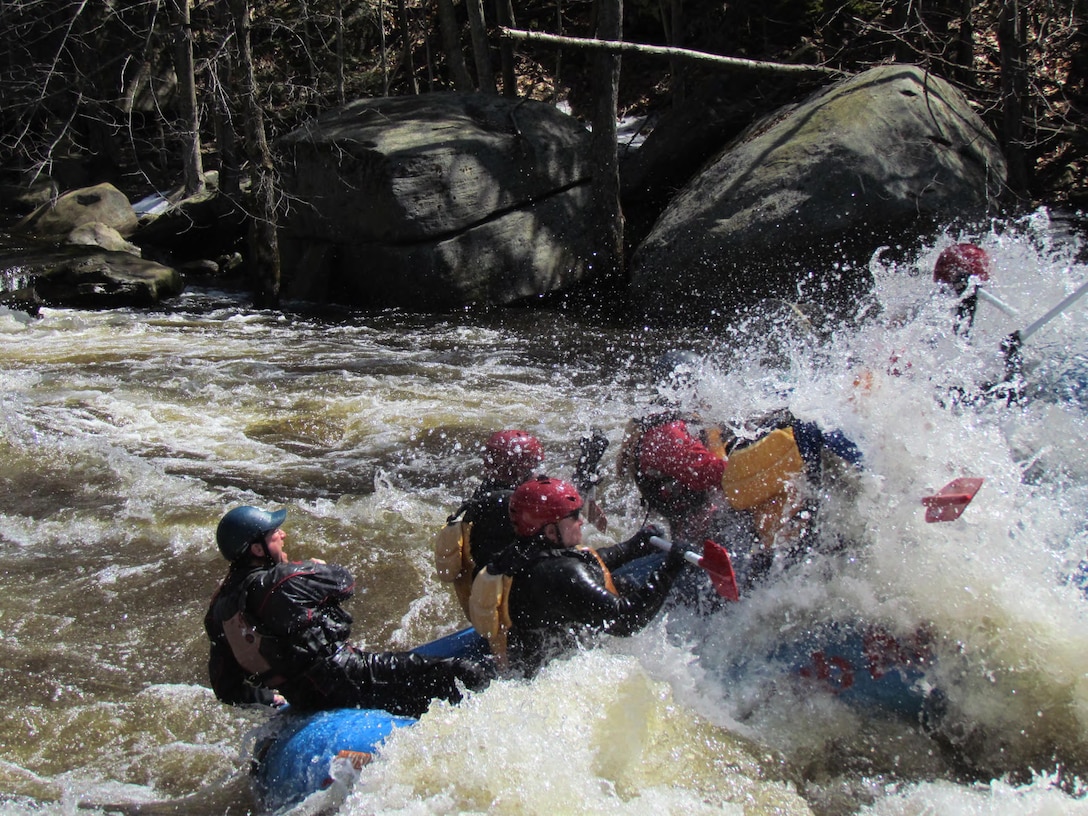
579,595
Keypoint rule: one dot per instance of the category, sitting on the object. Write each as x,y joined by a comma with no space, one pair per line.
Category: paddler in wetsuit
546,595
958,273
278,632
959,270
678,474
481,528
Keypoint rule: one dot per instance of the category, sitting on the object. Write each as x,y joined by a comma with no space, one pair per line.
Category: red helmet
540,502
959,262
512,455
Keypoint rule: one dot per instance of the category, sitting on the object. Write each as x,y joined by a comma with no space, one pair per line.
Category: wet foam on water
591,735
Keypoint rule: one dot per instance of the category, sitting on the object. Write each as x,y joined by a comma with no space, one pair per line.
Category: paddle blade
596,516
948,503
719,566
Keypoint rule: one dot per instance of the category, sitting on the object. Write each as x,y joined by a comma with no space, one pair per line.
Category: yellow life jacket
761,479
762,470
453,559
714,440
489,610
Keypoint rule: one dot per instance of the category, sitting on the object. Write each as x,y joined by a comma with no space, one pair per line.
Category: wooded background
108,87
149,94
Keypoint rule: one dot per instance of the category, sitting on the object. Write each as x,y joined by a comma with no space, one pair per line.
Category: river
125,435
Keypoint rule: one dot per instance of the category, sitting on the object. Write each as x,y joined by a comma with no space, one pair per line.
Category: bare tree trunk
675,38
607,218
220,83
965,47
183,63
307,27
485,77
1011,39
406,38
504,12
430,64
451,46
557,79
385,50
263,240
901,14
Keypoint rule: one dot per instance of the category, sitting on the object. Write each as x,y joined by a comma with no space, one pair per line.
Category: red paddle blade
719,567
948,503
596,516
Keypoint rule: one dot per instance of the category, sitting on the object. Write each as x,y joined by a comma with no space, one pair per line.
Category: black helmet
242,526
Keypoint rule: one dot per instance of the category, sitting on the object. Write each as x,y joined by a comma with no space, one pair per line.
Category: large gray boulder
798,201
435,201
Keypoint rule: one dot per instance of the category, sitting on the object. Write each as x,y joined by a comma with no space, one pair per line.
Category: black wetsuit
559,597
303,631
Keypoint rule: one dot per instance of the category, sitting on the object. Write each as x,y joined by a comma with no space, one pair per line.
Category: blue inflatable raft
297,754
300,754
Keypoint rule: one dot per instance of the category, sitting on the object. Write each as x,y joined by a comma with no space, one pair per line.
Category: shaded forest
150,94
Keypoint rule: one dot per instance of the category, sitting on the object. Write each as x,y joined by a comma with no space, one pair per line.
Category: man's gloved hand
675,558
650,530
592,449
475,674
641,539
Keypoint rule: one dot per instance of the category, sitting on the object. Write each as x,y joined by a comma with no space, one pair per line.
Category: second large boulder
796,206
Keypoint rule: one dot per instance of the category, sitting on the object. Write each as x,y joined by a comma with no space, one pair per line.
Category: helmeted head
512,456
540,502
957,264
243,526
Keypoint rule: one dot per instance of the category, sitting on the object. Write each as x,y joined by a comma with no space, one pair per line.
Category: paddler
753,492
547,594
959,270
278,633
481,528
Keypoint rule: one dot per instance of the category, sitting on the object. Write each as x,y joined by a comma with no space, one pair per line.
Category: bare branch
619,46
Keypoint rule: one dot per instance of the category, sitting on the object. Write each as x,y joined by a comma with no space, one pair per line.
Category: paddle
1000,304
1068,301
948,503
586,476
1012,343
715,560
